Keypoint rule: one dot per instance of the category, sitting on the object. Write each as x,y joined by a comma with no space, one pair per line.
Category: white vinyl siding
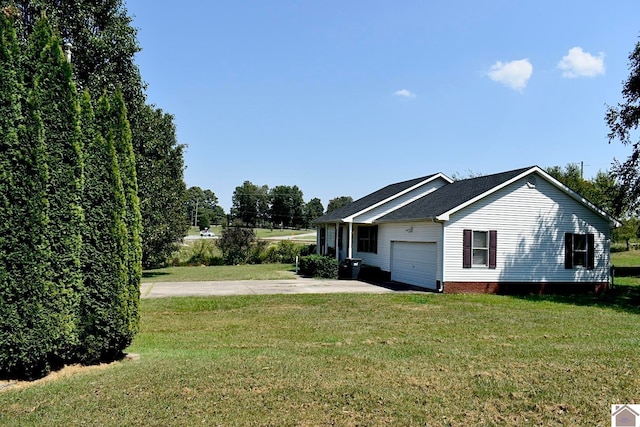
530,224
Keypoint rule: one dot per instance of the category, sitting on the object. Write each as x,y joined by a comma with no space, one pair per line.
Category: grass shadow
149,274
620,297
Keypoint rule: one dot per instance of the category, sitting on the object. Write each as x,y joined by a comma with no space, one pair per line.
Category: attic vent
531,181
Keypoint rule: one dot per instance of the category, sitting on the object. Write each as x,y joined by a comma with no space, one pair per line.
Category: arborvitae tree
55,98
25,328
133,220
104,322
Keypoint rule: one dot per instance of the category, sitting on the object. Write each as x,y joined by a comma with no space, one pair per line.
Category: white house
518,231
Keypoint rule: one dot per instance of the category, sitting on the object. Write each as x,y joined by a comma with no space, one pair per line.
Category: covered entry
414,263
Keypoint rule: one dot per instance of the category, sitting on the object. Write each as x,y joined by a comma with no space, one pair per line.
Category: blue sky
345,97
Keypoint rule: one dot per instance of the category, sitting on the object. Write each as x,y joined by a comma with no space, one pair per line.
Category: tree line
70,245
258,206
282,206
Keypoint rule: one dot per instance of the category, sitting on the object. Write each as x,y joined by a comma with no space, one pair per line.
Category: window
579,251
479,248
368,239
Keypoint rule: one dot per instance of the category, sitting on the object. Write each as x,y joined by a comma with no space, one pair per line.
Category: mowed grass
626,258
352,360
222,272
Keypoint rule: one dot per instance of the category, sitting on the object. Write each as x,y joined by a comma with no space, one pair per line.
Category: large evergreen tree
26,337
160,168
55,98
103,319
121,133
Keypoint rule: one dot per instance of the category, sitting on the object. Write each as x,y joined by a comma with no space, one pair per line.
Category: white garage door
414,263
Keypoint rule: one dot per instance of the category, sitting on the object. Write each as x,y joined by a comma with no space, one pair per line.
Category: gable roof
452,196
460,194
372,199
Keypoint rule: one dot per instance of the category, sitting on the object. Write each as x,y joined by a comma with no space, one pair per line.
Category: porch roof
371,199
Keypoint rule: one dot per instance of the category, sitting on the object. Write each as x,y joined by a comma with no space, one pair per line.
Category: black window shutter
568,250
590,252
466,249
493,244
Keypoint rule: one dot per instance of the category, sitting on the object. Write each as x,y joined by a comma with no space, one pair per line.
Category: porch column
350,241
337,248
326,240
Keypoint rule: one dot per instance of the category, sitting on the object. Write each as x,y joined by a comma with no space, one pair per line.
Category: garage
414,263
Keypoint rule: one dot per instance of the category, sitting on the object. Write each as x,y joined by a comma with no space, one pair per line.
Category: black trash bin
353,267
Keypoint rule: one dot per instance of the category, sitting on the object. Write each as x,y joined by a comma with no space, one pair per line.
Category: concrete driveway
258,287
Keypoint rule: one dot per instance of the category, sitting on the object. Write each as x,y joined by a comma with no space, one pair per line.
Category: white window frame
475,248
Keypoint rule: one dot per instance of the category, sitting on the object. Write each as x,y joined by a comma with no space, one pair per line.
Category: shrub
235,244
283,252
319,266
257,251
204,252
308,249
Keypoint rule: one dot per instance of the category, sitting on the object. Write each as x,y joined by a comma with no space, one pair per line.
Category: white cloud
514,74
404,92
578,63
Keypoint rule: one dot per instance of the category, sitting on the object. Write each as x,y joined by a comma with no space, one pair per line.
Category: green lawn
394,359
626,258
223,272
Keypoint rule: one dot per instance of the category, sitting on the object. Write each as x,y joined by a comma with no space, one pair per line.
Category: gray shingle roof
450,196
370,199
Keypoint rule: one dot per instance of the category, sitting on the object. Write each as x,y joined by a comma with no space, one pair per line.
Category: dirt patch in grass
66,372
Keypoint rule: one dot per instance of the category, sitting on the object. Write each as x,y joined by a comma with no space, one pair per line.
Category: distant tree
104,299
467,175
235,244
601,191
24,246
202,203
623,121
204,221
250,203
287,206
218,217
312,210
629,230
338,202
